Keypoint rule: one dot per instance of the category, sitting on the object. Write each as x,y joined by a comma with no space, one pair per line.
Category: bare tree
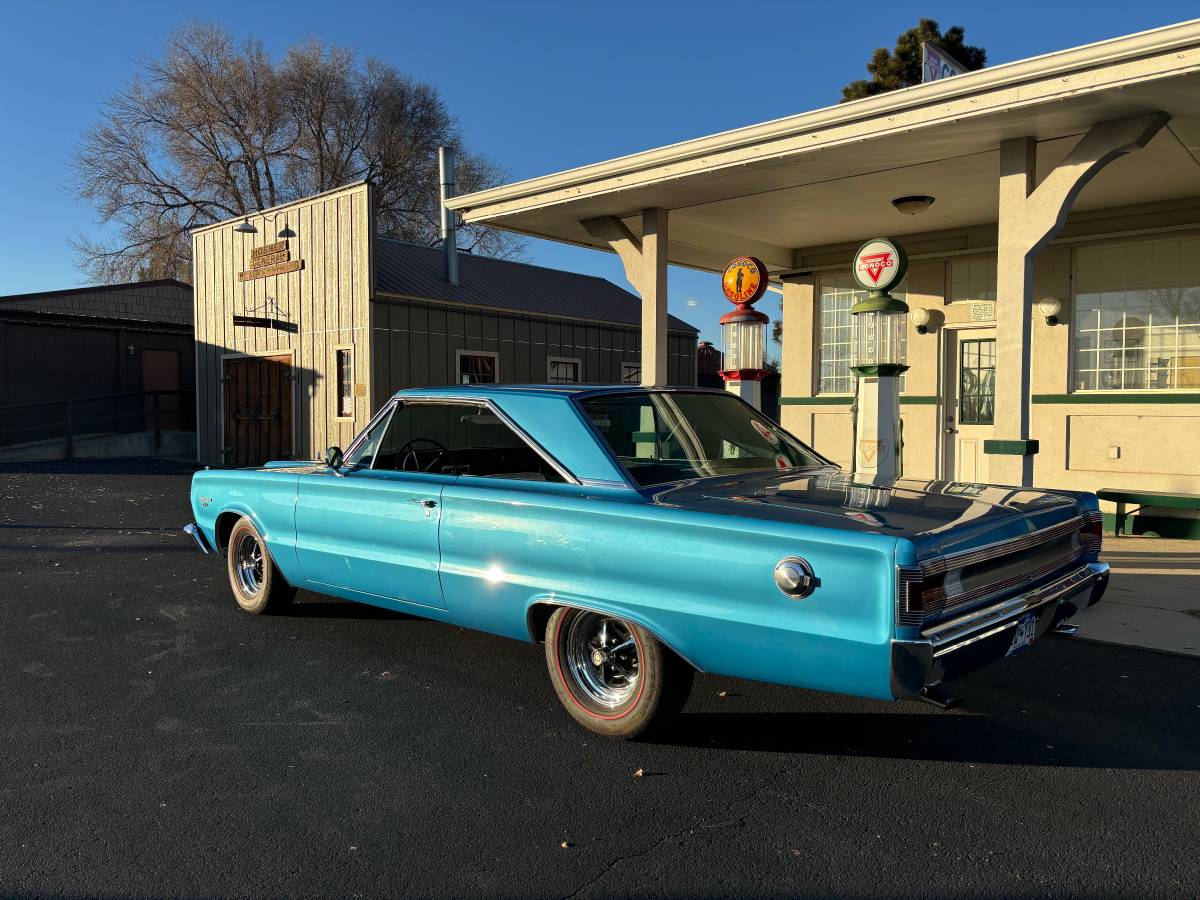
212,130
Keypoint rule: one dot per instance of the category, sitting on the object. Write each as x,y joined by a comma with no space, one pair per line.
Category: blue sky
539,87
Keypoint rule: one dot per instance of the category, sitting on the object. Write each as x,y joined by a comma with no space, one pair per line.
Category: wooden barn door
258,409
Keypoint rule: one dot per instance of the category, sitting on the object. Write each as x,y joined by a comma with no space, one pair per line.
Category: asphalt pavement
156,741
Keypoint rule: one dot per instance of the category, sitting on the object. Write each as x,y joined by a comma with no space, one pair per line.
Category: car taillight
1091,534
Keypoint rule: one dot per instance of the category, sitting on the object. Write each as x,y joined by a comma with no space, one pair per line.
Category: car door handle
426,503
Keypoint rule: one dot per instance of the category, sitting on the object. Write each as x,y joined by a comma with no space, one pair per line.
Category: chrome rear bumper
969,641
198,536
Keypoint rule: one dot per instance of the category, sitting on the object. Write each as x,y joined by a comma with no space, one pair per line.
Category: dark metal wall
414,344
47,358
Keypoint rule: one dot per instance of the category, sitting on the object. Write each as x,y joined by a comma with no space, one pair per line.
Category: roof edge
1048,65
281,206
99,288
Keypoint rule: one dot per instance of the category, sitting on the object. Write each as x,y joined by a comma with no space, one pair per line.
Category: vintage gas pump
743,331
877,357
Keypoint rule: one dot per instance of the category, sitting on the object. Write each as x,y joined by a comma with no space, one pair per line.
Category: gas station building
1053,281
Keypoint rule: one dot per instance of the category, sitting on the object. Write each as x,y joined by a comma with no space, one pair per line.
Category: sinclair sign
879,265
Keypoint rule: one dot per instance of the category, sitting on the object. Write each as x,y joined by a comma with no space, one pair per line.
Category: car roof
572,390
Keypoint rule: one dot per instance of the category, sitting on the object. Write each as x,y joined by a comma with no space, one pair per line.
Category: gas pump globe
744,329
877,356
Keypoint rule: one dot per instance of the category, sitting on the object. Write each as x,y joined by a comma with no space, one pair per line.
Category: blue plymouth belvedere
643,534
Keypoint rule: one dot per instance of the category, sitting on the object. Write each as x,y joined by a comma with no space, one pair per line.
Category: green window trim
847,400
1010,448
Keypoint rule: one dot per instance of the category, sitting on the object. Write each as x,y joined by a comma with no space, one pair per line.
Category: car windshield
664,436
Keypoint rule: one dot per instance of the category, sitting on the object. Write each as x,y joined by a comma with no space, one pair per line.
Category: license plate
1025,633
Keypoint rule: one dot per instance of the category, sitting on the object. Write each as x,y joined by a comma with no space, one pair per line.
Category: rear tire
613,676
257,585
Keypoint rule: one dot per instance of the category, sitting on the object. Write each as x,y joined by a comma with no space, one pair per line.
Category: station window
478,367
973,279
1136,323
561,370
345,382
834,333
631,373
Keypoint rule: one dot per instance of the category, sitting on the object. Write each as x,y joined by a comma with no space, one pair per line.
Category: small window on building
834,334
478,367
973,279
1136,323
562,370
345,382
631,373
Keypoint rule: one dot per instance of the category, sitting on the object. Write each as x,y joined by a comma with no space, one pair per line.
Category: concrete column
645,262
654,297
797,354
1031,214
1014,270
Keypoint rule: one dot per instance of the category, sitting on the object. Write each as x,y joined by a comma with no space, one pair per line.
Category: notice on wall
983,311
270,259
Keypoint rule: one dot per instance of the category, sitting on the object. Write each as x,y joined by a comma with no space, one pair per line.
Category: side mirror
333,458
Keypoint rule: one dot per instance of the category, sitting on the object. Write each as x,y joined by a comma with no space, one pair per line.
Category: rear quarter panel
703,583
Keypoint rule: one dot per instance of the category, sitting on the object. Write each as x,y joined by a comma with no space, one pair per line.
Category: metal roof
415,270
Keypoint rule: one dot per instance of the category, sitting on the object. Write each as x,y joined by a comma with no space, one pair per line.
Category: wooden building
306,322
93,342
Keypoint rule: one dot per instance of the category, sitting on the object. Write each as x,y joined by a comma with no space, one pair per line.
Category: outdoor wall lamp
246,228
920,317
1050,308
911,206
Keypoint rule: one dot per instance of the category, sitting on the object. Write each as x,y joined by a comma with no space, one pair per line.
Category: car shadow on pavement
1078,705
317,606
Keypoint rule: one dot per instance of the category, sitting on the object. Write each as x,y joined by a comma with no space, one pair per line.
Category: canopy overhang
829,176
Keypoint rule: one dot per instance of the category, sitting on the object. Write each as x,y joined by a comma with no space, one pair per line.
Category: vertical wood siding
328,301
415,344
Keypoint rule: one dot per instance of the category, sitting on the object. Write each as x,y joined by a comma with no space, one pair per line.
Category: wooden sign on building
270,259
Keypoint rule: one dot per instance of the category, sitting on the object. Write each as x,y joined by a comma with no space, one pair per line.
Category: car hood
938,516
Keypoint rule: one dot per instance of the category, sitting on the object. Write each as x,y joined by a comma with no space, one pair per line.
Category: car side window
458,439
364,453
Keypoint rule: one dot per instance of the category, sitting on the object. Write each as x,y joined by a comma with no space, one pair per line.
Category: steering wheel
409,449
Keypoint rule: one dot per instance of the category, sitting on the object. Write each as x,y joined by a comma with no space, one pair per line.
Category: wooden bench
1144,498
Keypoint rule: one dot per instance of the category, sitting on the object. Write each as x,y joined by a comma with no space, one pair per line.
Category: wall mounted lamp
920,317
246,228
1050,308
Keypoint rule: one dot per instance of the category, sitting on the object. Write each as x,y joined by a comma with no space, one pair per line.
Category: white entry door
970,402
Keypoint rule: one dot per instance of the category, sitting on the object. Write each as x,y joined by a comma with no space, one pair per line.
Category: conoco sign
744,280
879,265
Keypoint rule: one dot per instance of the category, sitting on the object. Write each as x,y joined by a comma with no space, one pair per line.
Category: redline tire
257,585
612,676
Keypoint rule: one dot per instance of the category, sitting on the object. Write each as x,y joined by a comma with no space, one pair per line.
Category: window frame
1073,324
551,360
458,372
348,349
568,477
817,342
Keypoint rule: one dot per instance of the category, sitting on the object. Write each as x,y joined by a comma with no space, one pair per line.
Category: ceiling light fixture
912,205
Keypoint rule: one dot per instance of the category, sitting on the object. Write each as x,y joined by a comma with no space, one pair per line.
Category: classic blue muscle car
644,534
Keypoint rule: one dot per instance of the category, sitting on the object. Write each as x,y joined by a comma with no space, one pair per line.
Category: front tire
613,676
257,585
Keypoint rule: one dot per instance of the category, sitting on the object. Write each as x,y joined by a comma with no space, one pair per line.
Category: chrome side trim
981,623
1001,548
198,536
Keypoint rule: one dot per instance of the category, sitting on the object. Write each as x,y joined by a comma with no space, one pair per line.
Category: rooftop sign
937,64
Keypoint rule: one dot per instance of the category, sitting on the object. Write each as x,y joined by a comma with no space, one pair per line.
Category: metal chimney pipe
449,230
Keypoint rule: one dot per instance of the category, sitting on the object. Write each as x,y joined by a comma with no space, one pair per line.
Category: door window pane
977,382
1136,322
631,373
345,376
